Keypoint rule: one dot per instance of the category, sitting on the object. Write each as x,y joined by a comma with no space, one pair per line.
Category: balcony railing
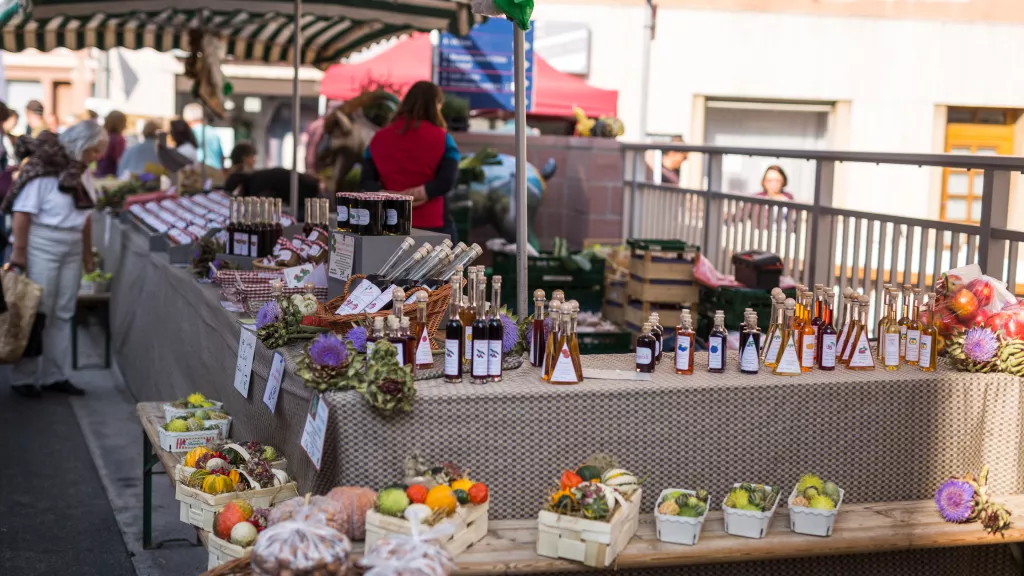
818,242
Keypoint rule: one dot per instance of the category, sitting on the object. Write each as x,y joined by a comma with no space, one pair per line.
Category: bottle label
564,370
494,357
828,351
451,357
423,355
359,299
892,349
391,217
342,213
807,352
773,347
903,341
913,351
401,353
683,345
480,353
715,353
297,244
749,359
254,243
314,251
657,346
860,352
380,301
789,361
469,342
643,355
926,351
359,216
241,244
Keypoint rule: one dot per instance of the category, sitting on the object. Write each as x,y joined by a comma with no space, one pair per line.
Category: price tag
295,277
359,299
342,256
274,382
232,306
243,367
315,431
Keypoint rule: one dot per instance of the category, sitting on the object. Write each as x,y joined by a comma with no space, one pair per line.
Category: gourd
463,483
196,479
621,480
588,473
357,501
442,498
193,455
235,476
563,501
218,484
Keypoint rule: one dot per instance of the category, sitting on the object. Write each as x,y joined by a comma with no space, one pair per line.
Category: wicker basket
437,308
256,265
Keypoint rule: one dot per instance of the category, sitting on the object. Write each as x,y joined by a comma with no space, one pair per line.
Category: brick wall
584,198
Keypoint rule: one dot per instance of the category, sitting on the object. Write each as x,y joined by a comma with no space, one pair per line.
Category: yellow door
962,189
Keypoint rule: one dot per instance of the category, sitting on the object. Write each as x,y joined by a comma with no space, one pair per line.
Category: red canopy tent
409,61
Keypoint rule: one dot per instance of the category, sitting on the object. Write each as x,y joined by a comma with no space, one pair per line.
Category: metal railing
818,242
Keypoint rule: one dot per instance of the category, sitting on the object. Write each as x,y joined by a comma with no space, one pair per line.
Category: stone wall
584,198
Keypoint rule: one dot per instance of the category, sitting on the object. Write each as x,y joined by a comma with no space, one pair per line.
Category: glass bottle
307,226
845,319
537,335
421,334
929,356
827,337
818,316
787,361
574,343
376,334
750,350
912,355
658,332
278,223
904,321
453,334
495,333
717,340
232,225
807,335
240,236
775,331
889,340
409,341
684,343
645,350
267,231
468,315
860,348
395,337
481,342
846,346
550,348
563,371
884,305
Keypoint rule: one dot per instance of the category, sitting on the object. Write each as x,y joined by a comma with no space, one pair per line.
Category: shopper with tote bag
51,200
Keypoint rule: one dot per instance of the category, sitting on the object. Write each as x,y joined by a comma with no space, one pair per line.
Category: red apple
1010,322
964,304
982,290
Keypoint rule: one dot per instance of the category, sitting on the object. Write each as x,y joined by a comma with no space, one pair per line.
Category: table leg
149,459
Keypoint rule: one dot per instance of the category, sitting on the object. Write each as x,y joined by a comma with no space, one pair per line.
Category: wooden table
151,414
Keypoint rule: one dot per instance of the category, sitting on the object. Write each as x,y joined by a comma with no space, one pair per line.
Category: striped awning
252,30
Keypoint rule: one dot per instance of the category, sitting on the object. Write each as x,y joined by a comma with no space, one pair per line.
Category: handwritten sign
342,256
243,367
274,382
315,431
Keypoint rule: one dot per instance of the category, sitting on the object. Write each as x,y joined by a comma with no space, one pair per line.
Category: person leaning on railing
51,199
773,187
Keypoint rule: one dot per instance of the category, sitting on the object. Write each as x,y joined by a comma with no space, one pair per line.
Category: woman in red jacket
414,155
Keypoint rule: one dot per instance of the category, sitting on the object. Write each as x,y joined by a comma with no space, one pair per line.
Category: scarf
47,158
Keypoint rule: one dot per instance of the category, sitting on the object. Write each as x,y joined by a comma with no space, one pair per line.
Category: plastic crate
546,270
605,342
733,301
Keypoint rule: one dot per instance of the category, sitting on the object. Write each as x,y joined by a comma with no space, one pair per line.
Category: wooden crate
198,508
669,261
638,312
616,289
222,551
470,523
614,312
592,542
663,290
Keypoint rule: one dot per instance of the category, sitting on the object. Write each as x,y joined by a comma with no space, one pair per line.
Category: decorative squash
441,499
218,484
236,477
563,502
570,480
193,455
463,483
357,502
196,479
588,473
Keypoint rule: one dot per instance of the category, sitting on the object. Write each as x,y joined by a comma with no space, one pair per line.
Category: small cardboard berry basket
812,521
185,441
679,529
170,412
747,523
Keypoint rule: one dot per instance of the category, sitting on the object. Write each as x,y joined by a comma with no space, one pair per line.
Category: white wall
893,72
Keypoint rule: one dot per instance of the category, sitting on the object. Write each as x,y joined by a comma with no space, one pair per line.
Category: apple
1009,321
964,304
982,290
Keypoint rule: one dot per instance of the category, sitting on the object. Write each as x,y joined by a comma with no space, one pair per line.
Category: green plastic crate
605,342
546,270
733,301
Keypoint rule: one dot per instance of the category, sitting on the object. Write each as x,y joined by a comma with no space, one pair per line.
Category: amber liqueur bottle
481,340
537,335
453,334
495,333
684,343
646,349
467,314
550,348
574,343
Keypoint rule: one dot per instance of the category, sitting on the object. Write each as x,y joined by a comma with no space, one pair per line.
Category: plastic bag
704,272
415,555
965,297
301,546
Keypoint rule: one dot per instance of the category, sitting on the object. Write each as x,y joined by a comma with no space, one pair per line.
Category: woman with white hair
51,200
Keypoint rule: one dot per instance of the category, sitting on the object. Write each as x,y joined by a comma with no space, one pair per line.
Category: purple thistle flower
510,335
955,500
357,336
147,177
980,345
328,351
270,313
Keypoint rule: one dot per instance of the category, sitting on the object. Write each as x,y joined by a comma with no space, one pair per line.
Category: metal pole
645,68
522,235
296,108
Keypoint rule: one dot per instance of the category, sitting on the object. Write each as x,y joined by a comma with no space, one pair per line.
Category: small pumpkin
463,483
193,455
478,493
570,480
357,501
461,496
218,484
442,498
589,473
195,480
235,476
417,493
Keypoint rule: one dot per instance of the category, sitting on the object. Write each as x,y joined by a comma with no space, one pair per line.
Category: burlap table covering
882,436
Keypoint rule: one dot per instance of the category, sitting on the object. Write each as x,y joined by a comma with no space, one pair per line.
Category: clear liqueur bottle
929,337
891,340
537,335
551,346
421,334
778,327
574,343
278,226
716,344
684,343
913,351
860,348
787,362
645,350
397,296
563,370
750,349
453,334
376,334
481,341
904,321
827,337
495,333
844,330
846,346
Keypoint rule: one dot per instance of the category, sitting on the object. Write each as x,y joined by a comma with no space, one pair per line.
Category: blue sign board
480,67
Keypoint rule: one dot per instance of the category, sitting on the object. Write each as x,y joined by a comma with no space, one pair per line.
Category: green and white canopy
252,30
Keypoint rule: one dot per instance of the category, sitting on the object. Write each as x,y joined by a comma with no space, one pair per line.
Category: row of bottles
474,335
429,266
374,213
318,212
254,226
410,336
907,340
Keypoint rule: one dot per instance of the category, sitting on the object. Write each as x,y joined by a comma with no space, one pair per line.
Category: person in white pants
52,241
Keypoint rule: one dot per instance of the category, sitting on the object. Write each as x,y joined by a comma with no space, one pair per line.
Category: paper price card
315,431
340,263
243,367
274,382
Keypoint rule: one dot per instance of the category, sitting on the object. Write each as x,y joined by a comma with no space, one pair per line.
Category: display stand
371,252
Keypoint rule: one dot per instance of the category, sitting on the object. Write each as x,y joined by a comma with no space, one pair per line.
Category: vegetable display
593,490
966,499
